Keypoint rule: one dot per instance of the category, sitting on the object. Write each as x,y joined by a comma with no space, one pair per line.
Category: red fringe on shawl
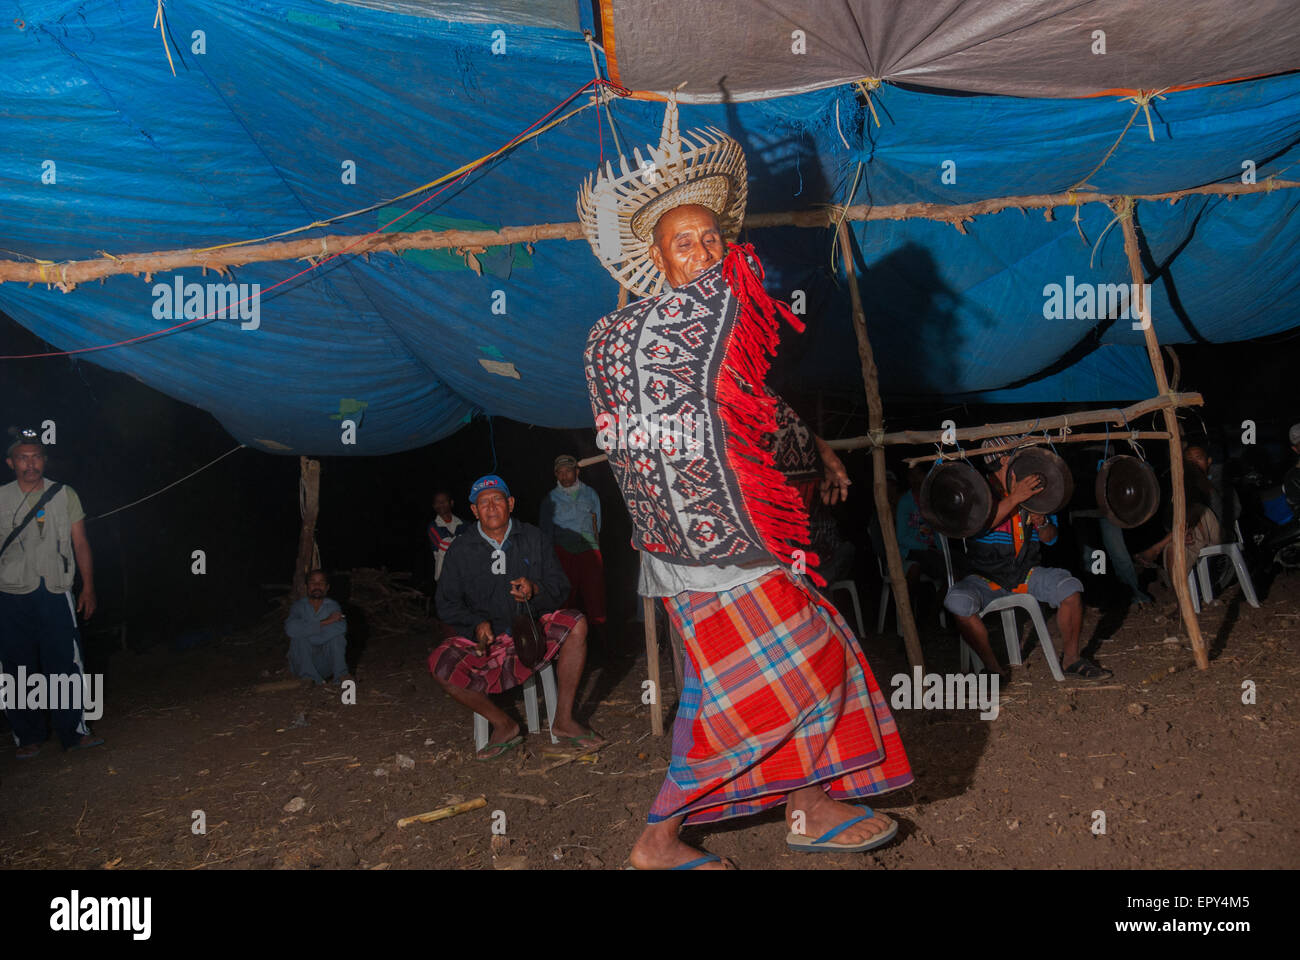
774,506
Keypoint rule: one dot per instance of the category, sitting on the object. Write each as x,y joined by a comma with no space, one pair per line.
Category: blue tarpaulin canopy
287,113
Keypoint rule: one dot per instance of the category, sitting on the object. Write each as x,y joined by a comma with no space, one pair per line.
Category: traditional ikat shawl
676,386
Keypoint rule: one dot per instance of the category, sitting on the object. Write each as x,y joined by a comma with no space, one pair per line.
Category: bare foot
660,849
821,813
577,731
498,735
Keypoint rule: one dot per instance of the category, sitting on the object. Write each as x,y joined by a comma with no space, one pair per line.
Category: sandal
1085,669
85,743
697,862
500,748
823,843
28,751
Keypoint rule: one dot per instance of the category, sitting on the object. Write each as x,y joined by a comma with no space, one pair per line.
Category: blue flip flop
689,864
822,844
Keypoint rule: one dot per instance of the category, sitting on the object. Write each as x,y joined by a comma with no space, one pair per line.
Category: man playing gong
778,705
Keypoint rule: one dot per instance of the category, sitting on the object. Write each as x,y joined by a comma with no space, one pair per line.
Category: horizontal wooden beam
1114,415
1068,438
66,275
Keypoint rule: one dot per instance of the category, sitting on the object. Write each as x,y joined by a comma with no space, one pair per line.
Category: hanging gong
1128,492
956,499
1058,484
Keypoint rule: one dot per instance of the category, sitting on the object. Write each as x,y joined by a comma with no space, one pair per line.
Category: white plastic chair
852,589
1233,552
887,593
482,729
1007,605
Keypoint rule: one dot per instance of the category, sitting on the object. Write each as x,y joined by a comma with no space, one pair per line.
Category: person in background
1203,526
500,569
1291,481
1005,558
570,515
443,529
42,546
916,543
318,634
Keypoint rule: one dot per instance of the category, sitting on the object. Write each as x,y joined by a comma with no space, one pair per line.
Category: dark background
119,440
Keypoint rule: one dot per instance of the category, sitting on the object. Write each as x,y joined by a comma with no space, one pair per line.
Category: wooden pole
309,487
652,667
876,419
67,274
1126,210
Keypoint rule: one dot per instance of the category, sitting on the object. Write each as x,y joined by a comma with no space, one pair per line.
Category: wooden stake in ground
1126,211
876,415
309,502
652,667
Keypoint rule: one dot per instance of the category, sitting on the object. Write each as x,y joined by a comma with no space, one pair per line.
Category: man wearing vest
44,538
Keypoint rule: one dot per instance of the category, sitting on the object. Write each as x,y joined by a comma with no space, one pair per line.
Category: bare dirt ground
1187,775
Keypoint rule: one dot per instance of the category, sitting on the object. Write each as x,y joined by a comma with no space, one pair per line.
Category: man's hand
835,481
332,618
483,637
86,603
521,588
1022,488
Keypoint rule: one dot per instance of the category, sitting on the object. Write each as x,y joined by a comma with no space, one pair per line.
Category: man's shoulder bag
46,497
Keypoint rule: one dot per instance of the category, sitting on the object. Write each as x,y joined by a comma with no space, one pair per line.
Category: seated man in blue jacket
492,573
1005,558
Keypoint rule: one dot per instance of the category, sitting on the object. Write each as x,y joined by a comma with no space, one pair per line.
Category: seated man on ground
1203,526
1005,558
318,635
495,571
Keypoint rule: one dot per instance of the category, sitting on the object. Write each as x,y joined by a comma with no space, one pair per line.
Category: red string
623,91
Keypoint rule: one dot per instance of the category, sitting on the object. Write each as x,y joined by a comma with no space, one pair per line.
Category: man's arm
1021,490
453,608
302,622
835,479
595,498
86,564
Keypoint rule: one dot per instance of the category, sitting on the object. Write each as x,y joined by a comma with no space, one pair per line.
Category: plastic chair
887,593
1233,552
482,729
852,589
1007,605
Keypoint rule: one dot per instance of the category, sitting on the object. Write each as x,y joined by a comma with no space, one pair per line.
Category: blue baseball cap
489,482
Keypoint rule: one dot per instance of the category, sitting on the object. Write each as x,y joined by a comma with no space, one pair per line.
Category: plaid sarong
457,661
776,697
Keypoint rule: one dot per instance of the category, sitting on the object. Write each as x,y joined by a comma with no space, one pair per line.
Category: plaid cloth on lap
776,697
457,661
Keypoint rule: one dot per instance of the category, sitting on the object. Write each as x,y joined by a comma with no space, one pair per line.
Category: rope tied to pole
866,86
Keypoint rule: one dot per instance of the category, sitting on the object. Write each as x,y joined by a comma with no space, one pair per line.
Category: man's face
27,461
567,476
1200,458
442,504
687,241
317,586
492,509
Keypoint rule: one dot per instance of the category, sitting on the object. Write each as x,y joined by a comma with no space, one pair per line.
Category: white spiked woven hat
618,211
